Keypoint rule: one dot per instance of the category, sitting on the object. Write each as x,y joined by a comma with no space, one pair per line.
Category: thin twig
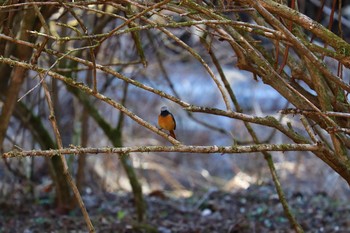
63,159
309,129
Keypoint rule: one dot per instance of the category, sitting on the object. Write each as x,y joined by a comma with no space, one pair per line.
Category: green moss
344,50
284,147
272,120
341,97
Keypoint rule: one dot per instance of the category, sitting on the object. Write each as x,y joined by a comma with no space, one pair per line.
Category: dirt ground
256,209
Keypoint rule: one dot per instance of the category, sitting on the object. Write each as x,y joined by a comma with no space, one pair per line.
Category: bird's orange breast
166,122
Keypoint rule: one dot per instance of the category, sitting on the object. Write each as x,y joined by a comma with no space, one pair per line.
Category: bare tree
85,46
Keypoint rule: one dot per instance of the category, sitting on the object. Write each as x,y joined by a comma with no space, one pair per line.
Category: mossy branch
181,149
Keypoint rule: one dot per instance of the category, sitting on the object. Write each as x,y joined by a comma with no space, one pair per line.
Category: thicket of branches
74,51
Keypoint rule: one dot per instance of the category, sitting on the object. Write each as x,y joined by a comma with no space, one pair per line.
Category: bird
167,121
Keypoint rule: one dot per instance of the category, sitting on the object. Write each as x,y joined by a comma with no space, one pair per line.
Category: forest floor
256,209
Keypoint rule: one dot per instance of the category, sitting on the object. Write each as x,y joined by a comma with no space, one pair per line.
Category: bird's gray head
164,108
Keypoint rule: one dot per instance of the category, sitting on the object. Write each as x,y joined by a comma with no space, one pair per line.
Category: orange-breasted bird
167,121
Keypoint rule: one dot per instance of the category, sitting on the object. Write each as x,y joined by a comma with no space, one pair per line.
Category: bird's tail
172,133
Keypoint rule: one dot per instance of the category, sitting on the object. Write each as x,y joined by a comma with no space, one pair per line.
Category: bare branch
295,111
181,149
66,173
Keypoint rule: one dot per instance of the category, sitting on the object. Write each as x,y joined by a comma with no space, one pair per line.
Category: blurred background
83,120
